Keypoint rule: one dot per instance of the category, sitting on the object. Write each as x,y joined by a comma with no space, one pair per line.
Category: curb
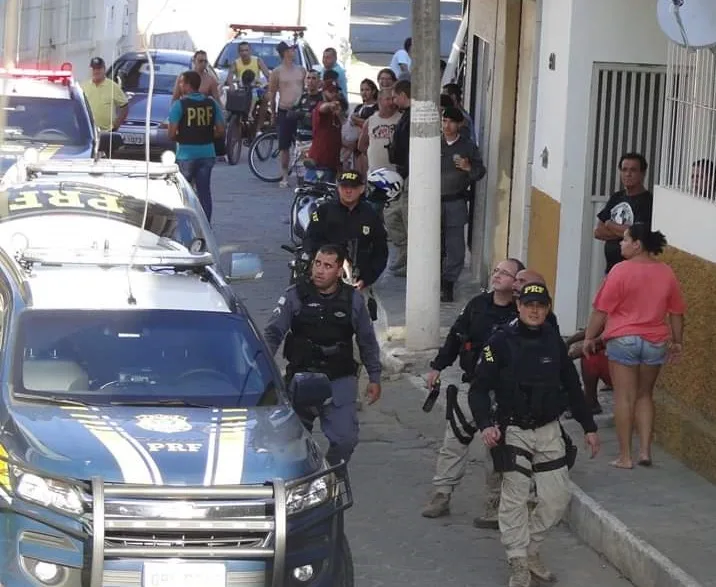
636,559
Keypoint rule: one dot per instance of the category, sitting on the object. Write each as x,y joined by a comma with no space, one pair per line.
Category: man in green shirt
106,99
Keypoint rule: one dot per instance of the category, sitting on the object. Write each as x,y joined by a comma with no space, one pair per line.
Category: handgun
432,396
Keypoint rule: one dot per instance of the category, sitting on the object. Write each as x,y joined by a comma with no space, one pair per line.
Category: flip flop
644,462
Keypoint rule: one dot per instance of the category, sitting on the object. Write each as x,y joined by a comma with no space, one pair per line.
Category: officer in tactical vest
468,335
535,381
318,317
196,123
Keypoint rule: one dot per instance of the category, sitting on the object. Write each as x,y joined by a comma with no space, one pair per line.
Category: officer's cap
453,113
350,177
535,292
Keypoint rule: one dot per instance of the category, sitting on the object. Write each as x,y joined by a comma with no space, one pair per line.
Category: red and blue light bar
64,74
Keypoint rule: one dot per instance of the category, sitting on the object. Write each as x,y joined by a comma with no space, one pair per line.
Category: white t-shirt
401,56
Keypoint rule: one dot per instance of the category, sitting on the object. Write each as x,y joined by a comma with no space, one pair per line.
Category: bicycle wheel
264,160
233,141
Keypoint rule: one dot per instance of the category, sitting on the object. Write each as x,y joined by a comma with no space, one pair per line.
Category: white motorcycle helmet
384,185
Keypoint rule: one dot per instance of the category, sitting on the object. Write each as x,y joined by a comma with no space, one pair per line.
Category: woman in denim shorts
639,312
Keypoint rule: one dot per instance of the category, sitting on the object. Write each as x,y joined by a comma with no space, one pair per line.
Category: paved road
380,26
392,544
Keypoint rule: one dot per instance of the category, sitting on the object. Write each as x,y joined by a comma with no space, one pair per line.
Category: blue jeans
634,350
198,172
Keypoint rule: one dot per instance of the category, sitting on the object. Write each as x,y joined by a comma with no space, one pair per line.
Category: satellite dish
690,23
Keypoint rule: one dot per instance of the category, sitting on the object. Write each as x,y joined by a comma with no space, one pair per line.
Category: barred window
688,161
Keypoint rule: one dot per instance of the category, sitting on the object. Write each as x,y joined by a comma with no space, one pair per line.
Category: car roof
122,175
35,88
94,288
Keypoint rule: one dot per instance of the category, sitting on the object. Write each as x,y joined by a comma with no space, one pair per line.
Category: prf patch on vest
314,216
487,353
201,115
366,230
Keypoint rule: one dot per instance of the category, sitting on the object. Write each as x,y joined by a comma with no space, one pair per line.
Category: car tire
344,565
233,141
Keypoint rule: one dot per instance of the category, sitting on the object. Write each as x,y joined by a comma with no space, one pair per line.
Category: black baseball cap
535,292
454,114
96,62
350,177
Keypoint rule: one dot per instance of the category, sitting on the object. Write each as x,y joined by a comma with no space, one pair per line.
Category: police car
118,178
147,438
47,110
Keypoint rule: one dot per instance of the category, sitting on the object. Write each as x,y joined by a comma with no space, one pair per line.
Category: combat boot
539,570
439,506
488,521
519,572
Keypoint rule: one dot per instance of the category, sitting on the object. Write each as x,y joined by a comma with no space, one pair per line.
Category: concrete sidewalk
655,525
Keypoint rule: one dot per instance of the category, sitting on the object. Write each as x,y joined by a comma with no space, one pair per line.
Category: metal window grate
689,142
82,20
629,111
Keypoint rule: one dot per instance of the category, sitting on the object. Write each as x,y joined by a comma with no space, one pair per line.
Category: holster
372,308
454,415
569,447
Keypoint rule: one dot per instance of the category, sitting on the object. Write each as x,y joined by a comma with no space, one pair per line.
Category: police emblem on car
167,423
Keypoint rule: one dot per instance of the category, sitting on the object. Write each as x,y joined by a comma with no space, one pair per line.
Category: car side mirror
109,141
309,389
244,267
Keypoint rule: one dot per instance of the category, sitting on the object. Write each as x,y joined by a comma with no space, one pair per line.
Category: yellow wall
685,398
544,237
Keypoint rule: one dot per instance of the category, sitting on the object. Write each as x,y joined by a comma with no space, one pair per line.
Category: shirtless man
209,84
287,82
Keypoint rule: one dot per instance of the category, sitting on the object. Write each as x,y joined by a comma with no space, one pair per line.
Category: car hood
10,152
161,104
163,446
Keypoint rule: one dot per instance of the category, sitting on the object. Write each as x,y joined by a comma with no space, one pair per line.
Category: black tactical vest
484,320
531,385
196,126
321,337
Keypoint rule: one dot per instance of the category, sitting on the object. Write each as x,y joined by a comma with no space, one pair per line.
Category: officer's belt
453,411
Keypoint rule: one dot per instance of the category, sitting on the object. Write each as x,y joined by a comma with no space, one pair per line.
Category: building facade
560,89
51,32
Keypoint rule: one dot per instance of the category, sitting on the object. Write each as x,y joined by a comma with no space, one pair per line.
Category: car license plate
132,139
184,575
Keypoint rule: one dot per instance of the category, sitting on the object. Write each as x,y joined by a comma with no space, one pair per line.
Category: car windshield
266,51
135,75
148,357
78,198
46,120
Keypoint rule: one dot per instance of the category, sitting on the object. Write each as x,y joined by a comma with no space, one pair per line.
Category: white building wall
51,32
580,33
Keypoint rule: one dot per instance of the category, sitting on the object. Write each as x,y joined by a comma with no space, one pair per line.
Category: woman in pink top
639,312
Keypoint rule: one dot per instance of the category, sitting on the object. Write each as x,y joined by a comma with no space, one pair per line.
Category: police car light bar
64,74
101,167
269,28
142,258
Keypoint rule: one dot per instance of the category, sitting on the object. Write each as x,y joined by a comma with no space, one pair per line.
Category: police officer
351,222
195,122
468,335
319,317
460,166
535,381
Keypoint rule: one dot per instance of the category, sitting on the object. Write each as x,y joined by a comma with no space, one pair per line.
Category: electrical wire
147,135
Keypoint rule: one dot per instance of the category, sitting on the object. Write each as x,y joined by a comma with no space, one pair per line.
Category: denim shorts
634,350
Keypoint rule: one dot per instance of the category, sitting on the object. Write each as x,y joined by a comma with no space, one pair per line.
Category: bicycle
242,124
264,148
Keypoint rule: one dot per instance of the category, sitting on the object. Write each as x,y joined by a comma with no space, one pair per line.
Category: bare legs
633,404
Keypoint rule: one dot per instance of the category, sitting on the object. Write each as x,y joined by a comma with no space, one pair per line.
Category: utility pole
8,57
422,304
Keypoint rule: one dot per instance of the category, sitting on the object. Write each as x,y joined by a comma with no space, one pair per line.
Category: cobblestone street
392,544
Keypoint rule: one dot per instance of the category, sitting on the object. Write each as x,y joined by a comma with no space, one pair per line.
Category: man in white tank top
286,80
377,132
